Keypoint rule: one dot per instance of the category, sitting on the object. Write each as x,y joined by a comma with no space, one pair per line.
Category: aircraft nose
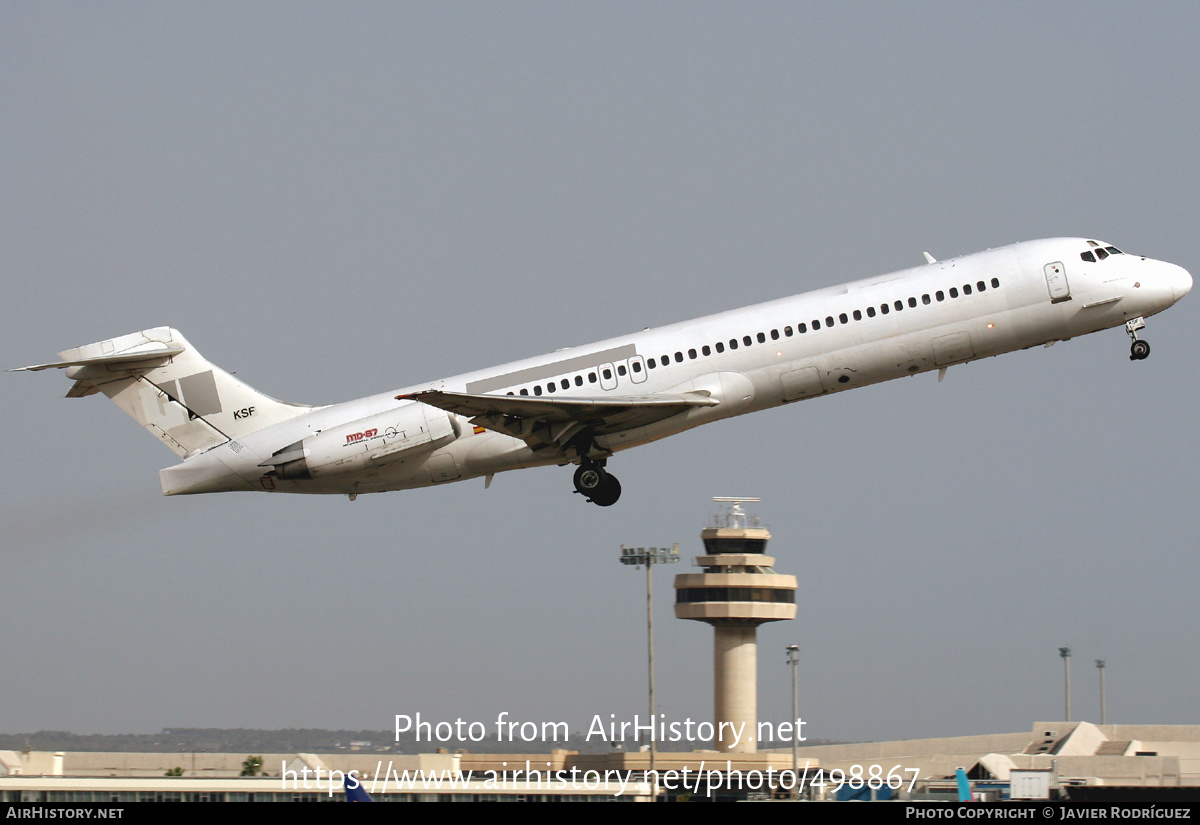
1181,282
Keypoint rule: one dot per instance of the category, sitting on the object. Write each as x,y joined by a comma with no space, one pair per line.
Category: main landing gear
1139,350
593,482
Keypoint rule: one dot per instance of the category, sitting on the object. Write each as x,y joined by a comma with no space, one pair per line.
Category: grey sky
336,200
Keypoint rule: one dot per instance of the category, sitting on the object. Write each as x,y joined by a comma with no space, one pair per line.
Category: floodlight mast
650,556
1065,653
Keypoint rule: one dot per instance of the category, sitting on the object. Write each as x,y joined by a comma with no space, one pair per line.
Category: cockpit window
1099,252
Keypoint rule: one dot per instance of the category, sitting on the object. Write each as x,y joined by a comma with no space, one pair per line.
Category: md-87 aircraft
580,406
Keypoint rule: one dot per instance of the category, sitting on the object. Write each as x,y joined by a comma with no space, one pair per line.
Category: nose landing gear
1139,350
594,483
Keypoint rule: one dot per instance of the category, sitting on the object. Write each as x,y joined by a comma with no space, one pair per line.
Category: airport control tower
738,591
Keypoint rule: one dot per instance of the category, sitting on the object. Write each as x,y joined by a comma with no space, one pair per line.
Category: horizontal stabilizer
150,354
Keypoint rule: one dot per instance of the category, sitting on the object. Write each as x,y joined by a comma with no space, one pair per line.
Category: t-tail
161,380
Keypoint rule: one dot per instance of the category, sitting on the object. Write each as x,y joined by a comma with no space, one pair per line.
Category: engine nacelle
369,442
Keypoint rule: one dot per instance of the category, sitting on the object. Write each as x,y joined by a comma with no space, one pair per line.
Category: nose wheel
1139,350
594,483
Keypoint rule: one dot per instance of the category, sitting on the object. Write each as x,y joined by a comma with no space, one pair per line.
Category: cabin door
1056,282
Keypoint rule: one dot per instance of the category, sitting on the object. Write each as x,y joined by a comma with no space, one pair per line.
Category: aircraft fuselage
583,404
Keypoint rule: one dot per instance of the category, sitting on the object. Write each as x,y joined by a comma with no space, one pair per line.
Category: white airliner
581,405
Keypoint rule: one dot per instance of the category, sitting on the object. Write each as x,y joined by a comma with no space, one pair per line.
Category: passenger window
762,339
899,305
787,331
816,324
884,309
966,289
843,318
508,393
828,320
620,371
607,375
747,340
720,347
925,299
981,286
953,292
692,354
774,335
733,343
591,378
524,391
566,385
666,360
537,390
995,283
651,363
858,315
679,358
803,328
550,387
579,378
704,349
870,312
941,296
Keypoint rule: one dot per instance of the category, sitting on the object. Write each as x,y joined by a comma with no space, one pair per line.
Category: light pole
793,657
1100,667
650,556
1065,653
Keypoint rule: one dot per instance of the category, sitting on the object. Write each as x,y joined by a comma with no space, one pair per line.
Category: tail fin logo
197,392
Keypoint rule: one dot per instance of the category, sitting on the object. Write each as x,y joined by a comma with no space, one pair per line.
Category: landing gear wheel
1139,350
608,493
589,478
596,485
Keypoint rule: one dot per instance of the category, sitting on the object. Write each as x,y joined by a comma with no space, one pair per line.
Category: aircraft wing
553,422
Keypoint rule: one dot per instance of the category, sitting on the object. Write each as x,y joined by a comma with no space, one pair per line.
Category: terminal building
1076,760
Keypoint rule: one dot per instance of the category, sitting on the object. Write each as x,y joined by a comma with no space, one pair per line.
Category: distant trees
252,766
